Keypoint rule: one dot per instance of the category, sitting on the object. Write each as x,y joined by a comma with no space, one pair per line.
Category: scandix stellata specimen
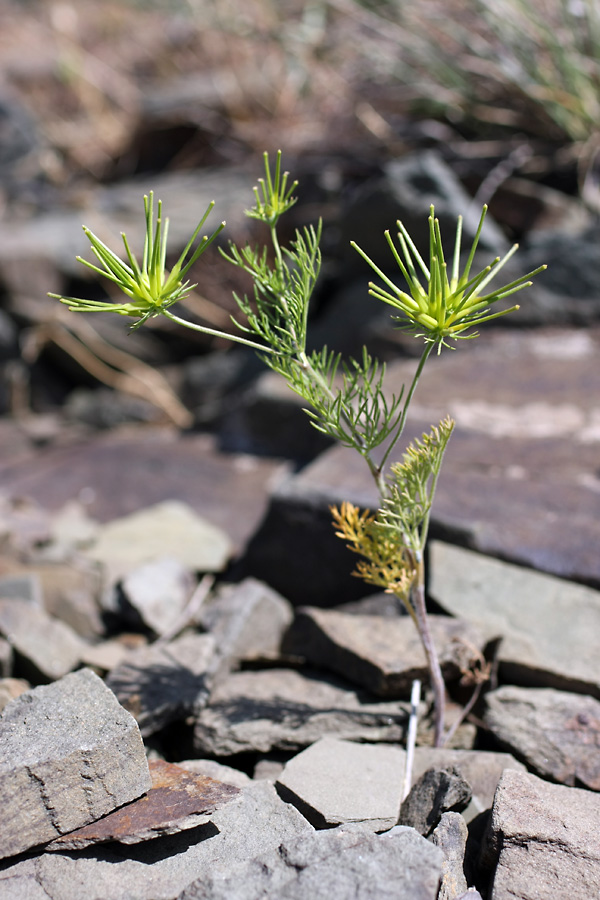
345,398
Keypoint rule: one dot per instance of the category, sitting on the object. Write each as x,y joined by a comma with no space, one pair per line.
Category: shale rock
70,754
337,782
162,683
437,791
284,709
557,734
382,655
343,862
550,627
45,647
450,835
156,593
246,827
544,838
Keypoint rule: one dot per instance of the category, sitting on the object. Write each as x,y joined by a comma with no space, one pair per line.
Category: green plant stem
378,474
222,334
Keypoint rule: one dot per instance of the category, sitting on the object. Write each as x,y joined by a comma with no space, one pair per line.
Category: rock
530,610
557,734
177,801
342,862
10,689
247,620
269,420
437,791
25,586
509,466
337,782
156,593
257,822
213,769
70,754
106,408
480,768
110,654
45,648
405,191
382,655
161,683
112,472
284,709
170,529
450,835
543,838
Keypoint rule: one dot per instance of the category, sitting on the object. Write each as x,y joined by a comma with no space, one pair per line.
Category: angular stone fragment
156,593
25,586
342,863
247,620
10,689
220,772
70,754
450,835
282,708
177,801
550,627
161,683
380,654
480,768
171,529
256,822
437,791
557,734
46,648
543,840
337,782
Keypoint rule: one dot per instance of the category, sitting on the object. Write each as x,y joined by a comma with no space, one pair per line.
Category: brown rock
382,655
177,801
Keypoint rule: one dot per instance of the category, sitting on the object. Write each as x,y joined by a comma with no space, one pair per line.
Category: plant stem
398,433
417,599
223,334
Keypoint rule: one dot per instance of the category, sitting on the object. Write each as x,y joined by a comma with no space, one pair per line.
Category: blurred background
380,107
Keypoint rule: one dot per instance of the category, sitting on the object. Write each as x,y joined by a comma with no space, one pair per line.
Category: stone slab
556,733
45,647
161,683
544,840
336,782
255,823
110,473
177,801
70,754
342,862
382,655
520,473
288,710
550,627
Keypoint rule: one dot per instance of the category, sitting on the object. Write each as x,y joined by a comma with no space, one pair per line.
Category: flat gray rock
336,782
170,528
450,835
46,648
70,754
544,840
156,594
437,791
247,620
550,627
284,709
557,734
382,655
255,823
161,683
342,863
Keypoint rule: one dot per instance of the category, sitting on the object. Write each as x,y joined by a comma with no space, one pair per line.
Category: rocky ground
199,701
